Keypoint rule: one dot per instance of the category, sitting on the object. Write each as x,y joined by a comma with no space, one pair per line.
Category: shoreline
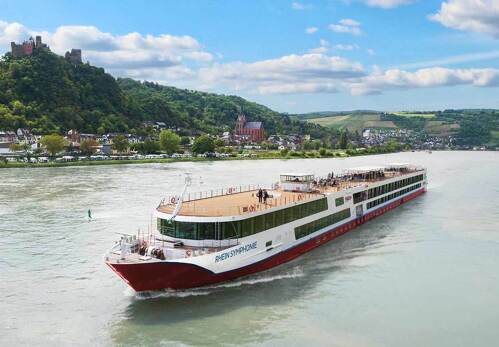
308,155
18,165
339,155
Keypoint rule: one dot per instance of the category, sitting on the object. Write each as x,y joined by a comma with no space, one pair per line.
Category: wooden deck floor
237,203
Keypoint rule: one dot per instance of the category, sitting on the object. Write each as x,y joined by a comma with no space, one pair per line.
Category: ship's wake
251,280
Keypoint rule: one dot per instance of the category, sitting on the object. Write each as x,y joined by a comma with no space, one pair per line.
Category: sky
293,56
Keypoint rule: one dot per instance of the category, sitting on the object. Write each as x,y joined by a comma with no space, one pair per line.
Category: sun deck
233,202
237,203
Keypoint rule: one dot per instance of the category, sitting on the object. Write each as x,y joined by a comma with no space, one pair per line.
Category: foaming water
207,290
423,274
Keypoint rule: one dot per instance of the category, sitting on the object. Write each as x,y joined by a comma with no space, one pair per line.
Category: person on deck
260,195
265,196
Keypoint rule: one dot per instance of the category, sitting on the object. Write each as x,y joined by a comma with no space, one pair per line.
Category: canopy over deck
297,177
364,169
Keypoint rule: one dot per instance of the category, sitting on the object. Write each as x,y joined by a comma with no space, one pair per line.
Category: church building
249,131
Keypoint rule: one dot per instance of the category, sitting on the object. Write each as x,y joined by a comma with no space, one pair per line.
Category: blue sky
294,56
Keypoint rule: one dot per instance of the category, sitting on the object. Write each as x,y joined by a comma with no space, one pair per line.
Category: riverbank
251,156
157,161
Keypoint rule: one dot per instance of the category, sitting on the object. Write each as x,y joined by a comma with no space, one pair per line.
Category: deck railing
192,196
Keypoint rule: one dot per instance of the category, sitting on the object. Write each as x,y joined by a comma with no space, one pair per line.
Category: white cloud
481,16
388,3
295,88
346,26
456,59
300,6
311,30
308,73
346,47
323,47
370,51
12,32
320,50
132,54
395,79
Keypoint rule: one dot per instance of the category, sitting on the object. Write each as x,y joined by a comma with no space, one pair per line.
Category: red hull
161,275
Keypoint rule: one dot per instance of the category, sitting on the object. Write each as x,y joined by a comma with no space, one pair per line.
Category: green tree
147,147
169,141
219,143
185,140
120,143
53,143
343,140
203,144
89,147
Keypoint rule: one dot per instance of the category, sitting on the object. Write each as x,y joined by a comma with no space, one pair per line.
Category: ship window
321,223
341,201
247,227
186,230
230,230
166,227
259,223
268,243
269,220
206,231
360,196
278,217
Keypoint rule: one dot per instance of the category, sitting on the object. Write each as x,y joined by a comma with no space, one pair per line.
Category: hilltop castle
26,49
74,56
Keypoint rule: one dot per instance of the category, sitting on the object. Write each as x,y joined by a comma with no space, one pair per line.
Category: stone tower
241,120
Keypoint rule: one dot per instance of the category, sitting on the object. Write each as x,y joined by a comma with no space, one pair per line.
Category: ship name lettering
236,251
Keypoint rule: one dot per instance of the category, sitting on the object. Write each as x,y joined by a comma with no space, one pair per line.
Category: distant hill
324,114
467,126
47,93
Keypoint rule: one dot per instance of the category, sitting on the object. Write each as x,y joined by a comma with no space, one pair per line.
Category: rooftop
253,125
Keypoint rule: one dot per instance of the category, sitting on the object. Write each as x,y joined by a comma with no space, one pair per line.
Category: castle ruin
26,48
74,56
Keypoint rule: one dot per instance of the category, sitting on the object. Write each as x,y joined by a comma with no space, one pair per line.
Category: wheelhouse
302,182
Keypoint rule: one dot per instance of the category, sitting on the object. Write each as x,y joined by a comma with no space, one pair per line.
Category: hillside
46,93
468,127
207,112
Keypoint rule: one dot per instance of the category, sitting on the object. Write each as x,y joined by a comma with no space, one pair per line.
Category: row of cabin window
392,196
320,223
242,228
374,192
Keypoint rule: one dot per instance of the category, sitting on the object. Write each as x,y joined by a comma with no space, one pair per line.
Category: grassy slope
353,122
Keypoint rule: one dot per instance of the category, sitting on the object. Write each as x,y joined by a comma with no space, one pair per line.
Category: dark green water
425,274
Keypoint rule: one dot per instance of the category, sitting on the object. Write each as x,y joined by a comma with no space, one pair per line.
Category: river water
425,274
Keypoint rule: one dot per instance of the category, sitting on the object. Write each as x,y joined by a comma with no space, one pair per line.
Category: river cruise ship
204,238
